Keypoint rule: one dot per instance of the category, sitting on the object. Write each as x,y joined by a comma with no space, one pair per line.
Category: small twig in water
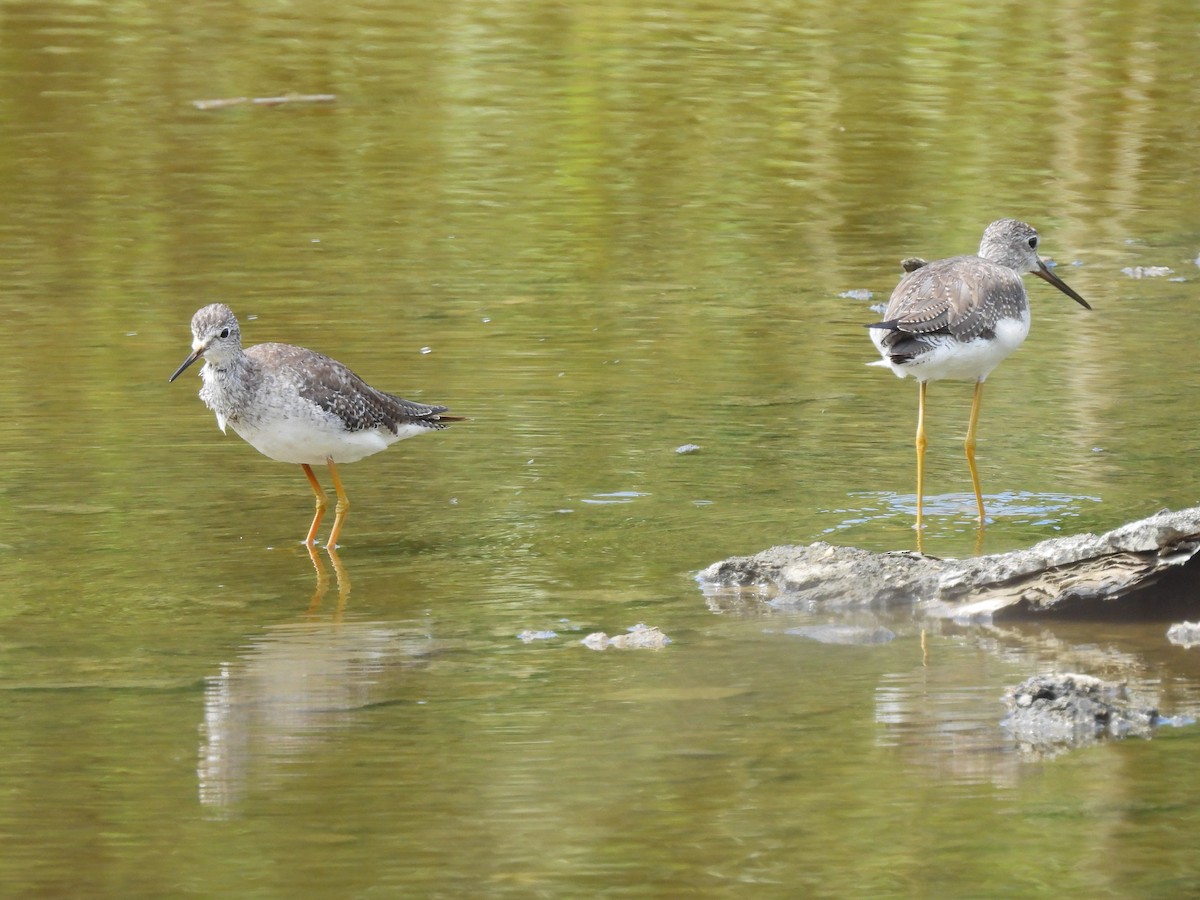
264,101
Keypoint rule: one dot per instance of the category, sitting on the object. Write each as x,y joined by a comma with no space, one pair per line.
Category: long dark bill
198,353
1043,272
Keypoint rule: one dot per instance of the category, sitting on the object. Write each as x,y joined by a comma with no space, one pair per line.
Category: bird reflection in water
322,587
290,694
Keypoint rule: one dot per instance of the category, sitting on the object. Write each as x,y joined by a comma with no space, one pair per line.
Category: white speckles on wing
954,318
959,318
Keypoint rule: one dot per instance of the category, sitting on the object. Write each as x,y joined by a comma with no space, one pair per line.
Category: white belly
307,441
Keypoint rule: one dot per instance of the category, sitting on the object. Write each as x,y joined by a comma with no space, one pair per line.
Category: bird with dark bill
299,406
958,318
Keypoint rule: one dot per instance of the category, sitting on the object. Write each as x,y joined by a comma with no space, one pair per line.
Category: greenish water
602,232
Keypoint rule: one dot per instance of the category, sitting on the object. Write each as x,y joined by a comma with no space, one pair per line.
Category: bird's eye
1033,242
225,331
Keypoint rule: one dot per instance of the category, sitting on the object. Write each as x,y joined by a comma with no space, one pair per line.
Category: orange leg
970,447
342,507
922,443
321,504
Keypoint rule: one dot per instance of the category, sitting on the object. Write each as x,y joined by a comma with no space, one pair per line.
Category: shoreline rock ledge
1150,561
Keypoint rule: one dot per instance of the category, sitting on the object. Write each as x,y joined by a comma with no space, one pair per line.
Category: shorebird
298,406
958,318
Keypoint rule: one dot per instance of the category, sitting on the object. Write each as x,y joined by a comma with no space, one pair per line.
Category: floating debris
264,101
614,497
529,636
68,509
1147,271
640,637
687,448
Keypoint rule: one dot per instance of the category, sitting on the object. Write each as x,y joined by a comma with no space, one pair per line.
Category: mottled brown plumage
299,406
339,391
963,297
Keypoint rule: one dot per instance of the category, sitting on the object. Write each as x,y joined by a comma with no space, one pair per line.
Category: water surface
602,233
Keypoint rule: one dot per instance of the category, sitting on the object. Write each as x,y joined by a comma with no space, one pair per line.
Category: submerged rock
529,635
1065,710
639,637
1184,634
1147,271
1066,572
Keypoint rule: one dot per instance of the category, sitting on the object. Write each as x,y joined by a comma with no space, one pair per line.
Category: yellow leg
342,507
970,447
922,443
321,504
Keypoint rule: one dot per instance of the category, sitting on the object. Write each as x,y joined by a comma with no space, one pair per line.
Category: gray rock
639,637
1064,710
1059,572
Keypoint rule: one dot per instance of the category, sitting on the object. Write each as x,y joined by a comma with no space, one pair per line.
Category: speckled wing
337,390
946,297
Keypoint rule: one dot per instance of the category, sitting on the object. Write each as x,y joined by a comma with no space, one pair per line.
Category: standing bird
299,406
959,318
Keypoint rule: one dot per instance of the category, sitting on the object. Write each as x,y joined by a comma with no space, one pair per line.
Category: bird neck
229,382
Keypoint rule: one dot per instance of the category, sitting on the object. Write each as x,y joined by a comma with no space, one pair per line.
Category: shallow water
602,233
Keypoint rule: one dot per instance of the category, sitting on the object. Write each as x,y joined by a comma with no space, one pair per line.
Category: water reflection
951,516
947,727
941,708
288,691
322,587
947,717
1042,508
